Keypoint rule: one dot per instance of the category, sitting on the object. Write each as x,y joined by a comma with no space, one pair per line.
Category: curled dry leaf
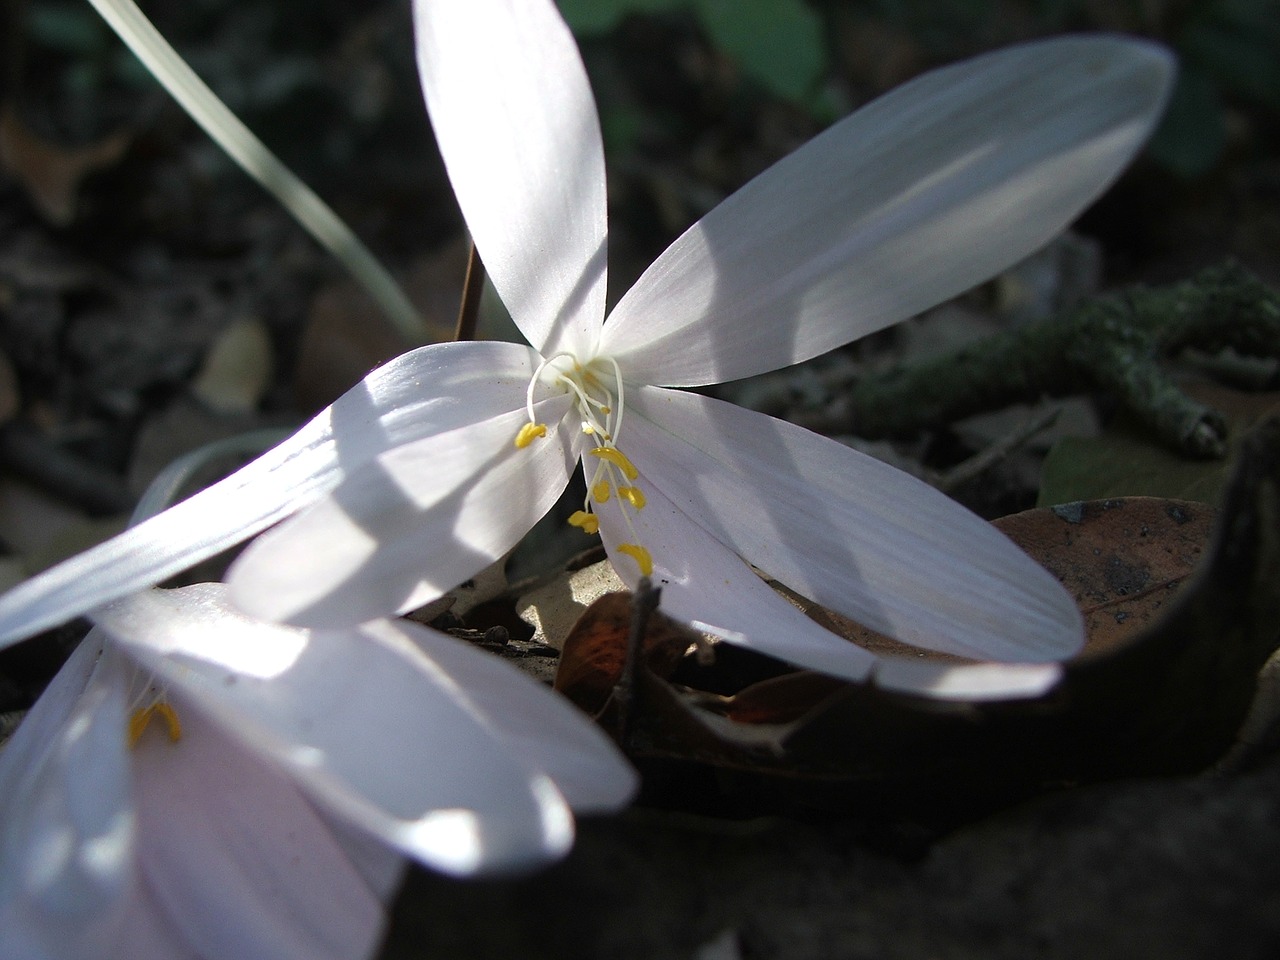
595,650
1182,611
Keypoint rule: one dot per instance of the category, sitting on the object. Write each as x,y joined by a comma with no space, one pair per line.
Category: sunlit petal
412,524
850,532
432,389
517,127
931,189
370,727
704,582
236,860
968,681
538,725
67,832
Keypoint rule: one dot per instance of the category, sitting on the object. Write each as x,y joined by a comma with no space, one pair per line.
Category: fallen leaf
51,173
1163,690
555,607
238,368
595,651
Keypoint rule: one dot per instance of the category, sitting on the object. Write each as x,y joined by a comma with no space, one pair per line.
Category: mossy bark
1113,345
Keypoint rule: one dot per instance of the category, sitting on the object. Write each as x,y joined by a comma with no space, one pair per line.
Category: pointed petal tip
458,843
967,682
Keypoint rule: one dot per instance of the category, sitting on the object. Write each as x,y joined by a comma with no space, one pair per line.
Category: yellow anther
588,522
600,492
614,456
633,496
140,719
606,410
640,555
528,433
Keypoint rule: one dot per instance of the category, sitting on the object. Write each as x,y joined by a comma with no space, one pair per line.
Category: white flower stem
260,163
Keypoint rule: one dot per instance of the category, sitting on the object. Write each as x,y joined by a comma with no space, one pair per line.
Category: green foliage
1123,464
1229,49
778,42
597,16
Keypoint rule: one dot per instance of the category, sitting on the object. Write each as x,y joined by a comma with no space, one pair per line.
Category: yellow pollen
600,492
606,410
640,555
140,719
528,433
633,496
588,522
614,456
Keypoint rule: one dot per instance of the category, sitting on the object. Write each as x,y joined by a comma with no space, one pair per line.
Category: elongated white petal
234,859
372,729
517,127
431,389
850,532
705,583
538,725
916,197
412,524
67,826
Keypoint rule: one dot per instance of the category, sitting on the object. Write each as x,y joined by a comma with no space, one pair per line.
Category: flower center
145,705
599,403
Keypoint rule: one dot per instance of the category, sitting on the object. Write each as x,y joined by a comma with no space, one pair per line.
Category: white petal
431,389
538,725
370,728
968,681
705,584
236,860
848,531
517,127
67,830
412,524
916,197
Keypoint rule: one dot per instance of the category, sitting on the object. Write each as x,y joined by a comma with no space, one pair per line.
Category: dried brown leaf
1163,687
51,173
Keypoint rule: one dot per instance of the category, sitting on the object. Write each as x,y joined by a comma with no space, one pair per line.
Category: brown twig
472,287
644,601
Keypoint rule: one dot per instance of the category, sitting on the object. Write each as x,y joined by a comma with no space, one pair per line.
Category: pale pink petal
516,123
67,825
372,730
235,859
706,584
537,725
433,389
931,189
848,531
410,525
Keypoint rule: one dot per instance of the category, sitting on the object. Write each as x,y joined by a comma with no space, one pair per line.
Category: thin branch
472,288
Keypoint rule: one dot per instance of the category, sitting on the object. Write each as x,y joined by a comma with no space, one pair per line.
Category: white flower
413,478
266,809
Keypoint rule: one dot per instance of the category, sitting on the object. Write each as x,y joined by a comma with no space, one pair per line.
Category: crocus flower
276,781
440,461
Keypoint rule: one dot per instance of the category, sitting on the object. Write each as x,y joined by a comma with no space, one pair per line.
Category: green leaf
779,42
1124,465
598,16
1126,461
1193,132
